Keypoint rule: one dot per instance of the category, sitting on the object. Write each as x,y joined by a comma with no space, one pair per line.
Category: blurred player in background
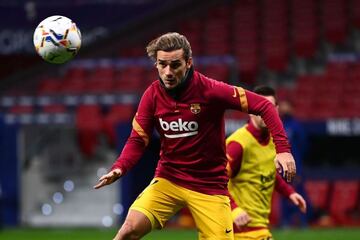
298,141
253,176
187,109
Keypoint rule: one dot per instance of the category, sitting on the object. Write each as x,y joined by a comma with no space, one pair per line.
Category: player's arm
234,153
288,191
258,105
239,216
142,127
249,102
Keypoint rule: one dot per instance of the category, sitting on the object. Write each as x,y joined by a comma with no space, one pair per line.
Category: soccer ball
57,39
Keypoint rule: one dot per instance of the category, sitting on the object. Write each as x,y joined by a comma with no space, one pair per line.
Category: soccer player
299,144
253,176
187,109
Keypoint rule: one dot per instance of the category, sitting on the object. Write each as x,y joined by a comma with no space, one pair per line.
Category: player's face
257,120
172,67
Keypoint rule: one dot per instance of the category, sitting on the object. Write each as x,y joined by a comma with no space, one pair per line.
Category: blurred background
62,126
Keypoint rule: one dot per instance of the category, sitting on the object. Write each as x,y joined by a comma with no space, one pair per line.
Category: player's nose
167,70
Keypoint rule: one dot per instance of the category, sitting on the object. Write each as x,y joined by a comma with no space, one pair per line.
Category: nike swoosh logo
234,95
154,182
228,231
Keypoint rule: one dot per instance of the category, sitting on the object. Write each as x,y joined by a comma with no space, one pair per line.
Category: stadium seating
318,193
118,113
21,109
344,200
259,35
334,27
129,79
246,39
101,80
89,122
49,86
305,30
54,108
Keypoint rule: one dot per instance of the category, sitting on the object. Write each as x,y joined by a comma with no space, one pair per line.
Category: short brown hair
266,91
169,42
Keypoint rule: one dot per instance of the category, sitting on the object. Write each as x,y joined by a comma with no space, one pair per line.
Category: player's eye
175,65
161,64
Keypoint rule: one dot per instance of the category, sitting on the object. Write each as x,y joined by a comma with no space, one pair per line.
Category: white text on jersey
188,128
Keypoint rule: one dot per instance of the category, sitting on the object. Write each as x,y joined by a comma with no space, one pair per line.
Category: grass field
166,234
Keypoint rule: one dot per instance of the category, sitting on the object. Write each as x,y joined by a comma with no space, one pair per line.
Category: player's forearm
260,106
130,155
233,204
282,187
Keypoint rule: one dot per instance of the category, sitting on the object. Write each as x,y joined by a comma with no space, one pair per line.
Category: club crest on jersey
195,108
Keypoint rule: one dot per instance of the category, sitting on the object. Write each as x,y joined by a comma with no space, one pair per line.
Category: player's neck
176,92
262,135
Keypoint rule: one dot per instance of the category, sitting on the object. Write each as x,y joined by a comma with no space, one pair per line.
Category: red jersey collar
261,135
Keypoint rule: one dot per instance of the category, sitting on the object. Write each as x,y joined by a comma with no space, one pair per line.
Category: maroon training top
191,129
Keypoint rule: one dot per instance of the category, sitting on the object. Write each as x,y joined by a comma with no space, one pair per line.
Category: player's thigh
212,215
136,224
263,234
159,202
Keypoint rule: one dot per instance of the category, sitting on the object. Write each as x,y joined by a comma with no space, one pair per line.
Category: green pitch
166,234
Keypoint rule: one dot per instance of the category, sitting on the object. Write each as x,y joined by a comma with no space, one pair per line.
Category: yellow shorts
162,199
262,234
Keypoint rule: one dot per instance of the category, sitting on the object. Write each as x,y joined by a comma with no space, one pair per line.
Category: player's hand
242,220
299,201
108,178
285,165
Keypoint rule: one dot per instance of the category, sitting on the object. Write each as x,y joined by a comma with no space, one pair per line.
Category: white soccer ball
57,39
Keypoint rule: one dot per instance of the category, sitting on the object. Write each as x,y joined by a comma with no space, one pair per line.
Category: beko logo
189,128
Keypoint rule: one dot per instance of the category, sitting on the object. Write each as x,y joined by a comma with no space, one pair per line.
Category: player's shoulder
207,81
241,131
208,86
243,136
238,134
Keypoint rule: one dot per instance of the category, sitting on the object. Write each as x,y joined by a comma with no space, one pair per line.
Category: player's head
268,93
286,108
173,58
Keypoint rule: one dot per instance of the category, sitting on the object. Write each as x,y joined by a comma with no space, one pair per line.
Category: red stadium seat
218,72
54,108
130,79
76,73
305,30
118,113
49,86
89,123
318,193
355,13
133,51
344,199
101,80
73,86
335,28
21,109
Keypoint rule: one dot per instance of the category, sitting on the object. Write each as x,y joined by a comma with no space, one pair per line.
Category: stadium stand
344,201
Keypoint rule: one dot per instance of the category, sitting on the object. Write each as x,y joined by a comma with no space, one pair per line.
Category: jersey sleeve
246,101
282,187
142,128
234,153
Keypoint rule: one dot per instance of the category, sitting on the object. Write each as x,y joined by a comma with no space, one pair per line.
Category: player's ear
189,63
